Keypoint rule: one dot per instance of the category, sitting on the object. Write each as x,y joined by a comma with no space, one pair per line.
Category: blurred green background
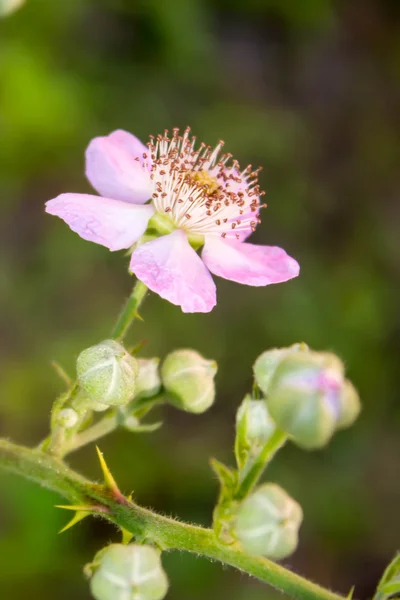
310,90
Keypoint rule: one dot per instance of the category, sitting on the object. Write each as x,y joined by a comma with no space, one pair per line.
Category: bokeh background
310,90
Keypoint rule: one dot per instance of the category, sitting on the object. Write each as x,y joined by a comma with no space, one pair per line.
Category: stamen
211,185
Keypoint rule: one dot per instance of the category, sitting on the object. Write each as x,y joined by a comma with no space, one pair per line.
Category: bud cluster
109,376
307,393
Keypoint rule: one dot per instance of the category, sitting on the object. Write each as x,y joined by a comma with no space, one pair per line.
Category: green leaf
392,587
390,581
226,476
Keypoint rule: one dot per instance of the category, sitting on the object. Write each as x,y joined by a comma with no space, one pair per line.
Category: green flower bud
67,418
254,427
129,572
268,522
309,398
107,374
189,378
148,382
266,364
254,417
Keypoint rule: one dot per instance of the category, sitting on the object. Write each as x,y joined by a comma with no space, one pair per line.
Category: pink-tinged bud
266,364
309,397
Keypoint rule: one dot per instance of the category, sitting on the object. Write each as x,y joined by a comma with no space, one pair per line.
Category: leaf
351,592
226,476
390,581
391,587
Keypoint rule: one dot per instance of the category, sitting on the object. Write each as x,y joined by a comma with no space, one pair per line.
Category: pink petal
116,168
248,263
170,267
111,223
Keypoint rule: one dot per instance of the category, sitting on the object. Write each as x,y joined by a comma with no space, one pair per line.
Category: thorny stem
129,311
165,532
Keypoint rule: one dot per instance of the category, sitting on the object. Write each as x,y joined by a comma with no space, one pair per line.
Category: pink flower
198,197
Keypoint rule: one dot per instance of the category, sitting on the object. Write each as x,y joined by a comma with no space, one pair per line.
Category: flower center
204,180
202,191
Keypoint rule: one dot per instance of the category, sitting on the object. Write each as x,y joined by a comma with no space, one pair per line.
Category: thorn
109,480
79,516
77,507
61,373
137,316
81,512
135,349
126,536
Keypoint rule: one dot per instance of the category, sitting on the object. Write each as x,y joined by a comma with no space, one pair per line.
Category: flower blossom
198,198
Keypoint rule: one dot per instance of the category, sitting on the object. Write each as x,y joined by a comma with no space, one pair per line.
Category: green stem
166,533
252,476
109,423
129,311
103,427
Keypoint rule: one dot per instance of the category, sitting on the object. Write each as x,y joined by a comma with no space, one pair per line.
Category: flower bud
148,382
266,364
254,417
309,397
67,418
268,522
129,572
107,373
254,427
189,378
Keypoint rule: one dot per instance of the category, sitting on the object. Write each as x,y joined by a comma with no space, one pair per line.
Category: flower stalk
129,312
